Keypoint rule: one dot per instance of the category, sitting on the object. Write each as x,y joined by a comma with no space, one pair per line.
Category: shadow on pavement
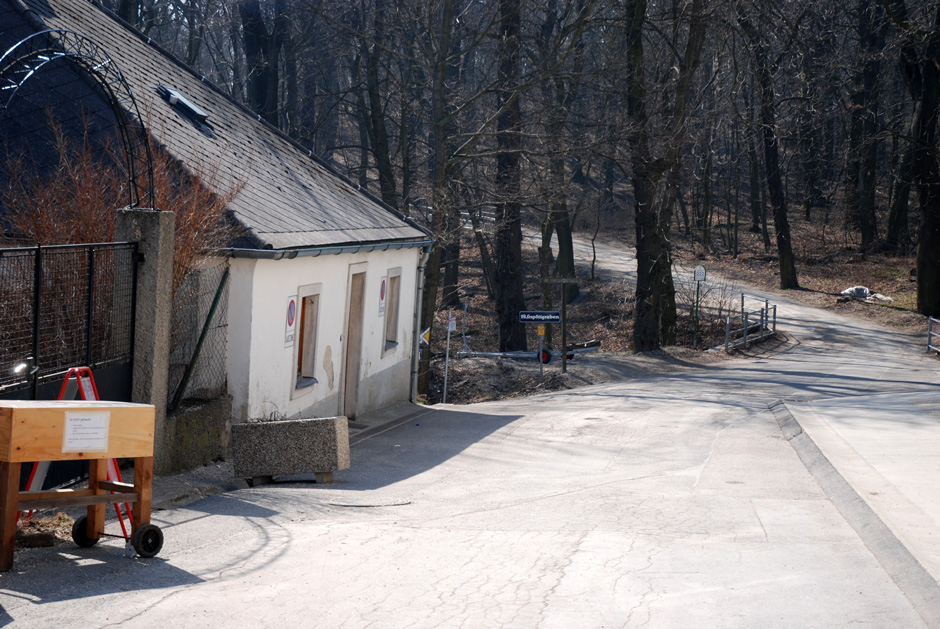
414,448
67,572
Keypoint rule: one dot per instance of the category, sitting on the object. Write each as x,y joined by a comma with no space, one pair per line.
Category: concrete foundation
294,446
196,435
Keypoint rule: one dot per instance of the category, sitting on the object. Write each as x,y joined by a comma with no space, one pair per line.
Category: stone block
290,446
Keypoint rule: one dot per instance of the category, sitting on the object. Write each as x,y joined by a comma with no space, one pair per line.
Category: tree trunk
129,11
646,314
440,200
509,272
262,53
898,237
378,134
920,64
654,311
873,25
754,181
545,269
561,220
765,91
453,225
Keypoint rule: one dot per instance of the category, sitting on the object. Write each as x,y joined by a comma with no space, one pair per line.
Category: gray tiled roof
287,199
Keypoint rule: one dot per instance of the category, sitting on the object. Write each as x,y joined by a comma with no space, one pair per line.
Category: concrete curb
379,429
917,585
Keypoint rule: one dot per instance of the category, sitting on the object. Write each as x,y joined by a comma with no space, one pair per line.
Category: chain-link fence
64,306
198,342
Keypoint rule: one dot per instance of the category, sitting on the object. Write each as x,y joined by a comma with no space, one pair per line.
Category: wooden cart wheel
147,540
80,533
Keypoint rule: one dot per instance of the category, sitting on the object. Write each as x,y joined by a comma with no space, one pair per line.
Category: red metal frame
84,379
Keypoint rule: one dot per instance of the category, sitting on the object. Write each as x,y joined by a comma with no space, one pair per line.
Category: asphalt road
685,499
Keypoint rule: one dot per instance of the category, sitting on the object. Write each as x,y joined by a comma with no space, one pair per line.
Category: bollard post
451,322
745,330
727,333
539,358
775,317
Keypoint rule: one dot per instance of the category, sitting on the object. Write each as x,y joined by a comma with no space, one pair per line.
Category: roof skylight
180,102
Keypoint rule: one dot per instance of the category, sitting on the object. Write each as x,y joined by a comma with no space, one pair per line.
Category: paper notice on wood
86,431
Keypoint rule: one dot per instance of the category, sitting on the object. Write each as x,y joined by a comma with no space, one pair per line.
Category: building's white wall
262,372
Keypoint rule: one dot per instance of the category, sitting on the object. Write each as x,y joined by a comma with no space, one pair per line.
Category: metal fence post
727,333
90,312
775,317
745,330
929,332
37,301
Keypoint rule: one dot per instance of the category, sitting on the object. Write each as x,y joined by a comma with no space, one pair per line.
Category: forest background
714,124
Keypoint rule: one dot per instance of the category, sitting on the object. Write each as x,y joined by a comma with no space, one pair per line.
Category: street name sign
540,316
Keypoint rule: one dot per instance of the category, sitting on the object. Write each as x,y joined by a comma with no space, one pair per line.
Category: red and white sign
291,321
382,293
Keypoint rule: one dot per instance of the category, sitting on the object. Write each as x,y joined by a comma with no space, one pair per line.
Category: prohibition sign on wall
382,297
291,323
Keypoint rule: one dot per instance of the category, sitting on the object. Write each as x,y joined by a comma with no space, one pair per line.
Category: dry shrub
69,202
75,200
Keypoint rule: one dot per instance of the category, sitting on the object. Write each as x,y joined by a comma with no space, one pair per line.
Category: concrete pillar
154,231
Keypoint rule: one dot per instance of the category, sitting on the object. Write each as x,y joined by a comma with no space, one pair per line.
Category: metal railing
931,334
750,325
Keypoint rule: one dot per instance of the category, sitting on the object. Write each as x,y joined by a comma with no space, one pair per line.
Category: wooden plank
76,501
63,404
9,488
143,484
97,472
27,496
6,430
121,488
35,431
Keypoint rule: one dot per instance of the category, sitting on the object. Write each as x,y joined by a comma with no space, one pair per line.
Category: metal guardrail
750,325
931,334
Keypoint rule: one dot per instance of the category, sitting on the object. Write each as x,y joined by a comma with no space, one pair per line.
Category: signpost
564,326
699,276
451,327
541,317
541,363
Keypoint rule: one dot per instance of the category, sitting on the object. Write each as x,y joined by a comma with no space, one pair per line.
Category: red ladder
84,385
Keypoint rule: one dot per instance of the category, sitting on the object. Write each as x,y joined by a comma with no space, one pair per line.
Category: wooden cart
71,431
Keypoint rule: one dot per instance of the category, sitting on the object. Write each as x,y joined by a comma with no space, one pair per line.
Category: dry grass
59,525
826,265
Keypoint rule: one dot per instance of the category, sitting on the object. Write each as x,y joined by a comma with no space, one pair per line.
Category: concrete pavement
669,501
789,489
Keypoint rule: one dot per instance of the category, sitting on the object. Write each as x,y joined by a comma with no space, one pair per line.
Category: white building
324,284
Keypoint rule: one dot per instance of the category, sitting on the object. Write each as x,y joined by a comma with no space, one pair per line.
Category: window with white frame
392,297
309,298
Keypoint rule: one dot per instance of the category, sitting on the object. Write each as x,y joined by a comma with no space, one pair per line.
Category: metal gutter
308,252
